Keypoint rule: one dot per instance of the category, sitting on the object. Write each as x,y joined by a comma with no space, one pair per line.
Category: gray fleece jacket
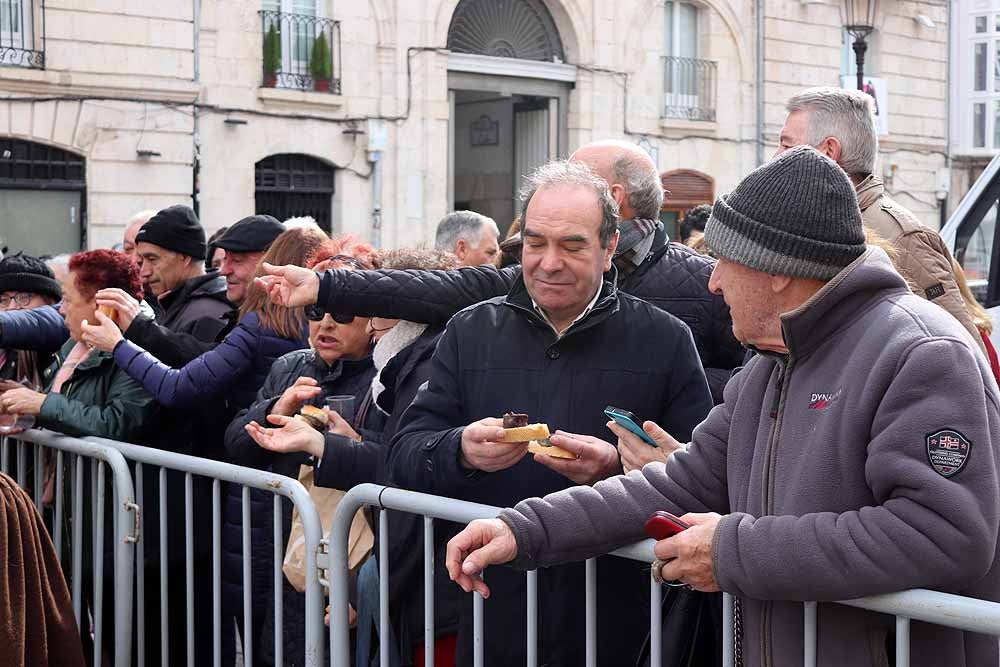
861,463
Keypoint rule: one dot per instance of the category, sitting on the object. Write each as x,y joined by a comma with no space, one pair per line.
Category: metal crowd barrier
130,531
449,509
945,609
125,513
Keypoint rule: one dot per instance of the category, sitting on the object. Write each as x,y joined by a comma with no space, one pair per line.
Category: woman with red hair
86,393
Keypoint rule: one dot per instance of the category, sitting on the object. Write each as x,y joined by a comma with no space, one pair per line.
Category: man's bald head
135,223
632,175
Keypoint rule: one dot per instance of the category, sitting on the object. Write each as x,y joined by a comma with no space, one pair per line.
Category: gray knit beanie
795,216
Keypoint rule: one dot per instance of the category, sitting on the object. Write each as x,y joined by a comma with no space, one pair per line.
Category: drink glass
342,405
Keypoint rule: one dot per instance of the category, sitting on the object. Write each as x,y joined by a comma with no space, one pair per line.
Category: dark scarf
635,237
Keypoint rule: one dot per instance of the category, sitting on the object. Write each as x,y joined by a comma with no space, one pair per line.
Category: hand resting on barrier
483,542
685,557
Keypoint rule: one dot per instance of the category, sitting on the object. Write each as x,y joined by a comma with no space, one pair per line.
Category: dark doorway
42,198
290,185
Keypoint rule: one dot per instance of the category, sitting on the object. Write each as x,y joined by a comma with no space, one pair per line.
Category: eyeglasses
21,299
316,313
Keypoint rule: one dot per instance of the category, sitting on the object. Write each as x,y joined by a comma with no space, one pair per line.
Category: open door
533,138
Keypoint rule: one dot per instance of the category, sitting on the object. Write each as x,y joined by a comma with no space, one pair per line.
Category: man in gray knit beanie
787,228
855,455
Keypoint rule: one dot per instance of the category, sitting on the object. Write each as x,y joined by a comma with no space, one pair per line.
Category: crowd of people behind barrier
812,399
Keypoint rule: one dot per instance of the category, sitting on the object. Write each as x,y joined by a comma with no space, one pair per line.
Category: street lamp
859,21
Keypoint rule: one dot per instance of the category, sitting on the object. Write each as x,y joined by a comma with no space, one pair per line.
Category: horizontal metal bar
947,609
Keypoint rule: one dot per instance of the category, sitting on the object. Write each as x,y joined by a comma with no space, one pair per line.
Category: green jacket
98,399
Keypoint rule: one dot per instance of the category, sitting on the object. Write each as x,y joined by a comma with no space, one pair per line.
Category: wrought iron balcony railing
300,51
22,34
689,88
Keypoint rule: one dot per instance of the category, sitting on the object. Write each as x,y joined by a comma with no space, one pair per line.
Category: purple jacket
861,463
236,368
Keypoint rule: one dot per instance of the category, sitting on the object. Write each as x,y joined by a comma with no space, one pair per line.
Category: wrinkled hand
340,426
126,308
294,436
293,398
483,542
596,459
21,401
691,551
290,286
7,385
635,453
104,335
481,451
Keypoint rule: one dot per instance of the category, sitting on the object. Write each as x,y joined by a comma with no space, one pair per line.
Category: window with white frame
20,42
977,73
296,23
688,81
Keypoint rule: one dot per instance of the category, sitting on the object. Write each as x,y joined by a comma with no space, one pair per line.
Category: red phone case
662,525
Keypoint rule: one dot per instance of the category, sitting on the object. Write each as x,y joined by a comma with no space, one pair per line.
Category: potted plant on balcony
272,56
320,65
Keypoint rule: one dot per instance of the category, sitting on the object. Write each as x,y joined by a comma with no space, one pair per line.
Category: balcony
689,87
300,51
21,40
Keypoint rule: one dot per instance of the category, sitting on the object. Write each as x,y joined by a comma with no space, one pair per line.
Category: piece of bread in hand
525,433
536,447
313,416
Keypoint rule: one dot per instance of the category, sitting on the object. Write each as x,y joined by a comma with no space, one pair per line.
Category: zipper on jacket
767,500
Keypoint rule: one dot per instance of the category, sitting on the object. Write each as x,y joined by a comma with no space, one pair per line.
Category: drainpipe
943,202
759,4
196,77
375,157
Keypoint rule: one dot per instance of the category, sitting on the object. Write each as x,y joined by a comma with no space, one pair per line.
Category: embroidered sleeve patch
948,451
934,291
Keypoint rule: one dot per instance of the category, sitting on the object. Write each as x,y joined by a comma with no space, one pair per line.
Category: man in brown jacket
839,123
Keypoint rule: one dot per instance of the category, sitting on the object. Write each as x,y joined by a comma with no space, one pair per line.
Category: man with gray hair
471,236
649,266
840,124
564,343
835,468
560,346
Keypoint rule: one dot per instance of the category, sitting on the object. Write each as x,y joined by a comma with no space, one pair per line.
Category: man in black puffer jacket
561,346
665,274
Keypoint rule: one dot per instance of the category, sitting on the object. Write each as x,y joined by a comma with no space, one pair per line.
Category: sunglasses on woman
315,313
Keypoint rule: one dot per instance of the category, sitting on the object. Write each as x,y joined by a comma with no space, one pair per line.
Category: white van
971,235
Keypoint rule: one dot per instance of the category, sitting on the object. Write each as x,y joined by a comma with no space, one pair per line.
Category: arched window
290,185
521,29
683,188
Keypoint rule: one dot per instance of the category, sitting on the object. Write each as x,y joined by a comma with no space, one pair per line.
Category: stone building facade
432,104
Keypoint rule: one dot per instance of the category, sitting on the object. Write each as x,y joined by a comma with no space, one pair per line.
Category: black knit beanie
795,216
175,228
24,273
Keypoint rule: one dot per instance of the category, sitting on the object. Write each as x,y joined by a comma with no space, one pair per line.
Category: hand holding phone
629,421
662,525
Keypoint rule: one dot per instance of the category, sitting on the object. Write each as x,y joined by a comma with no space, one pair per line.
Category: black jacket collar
605,306
210,284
